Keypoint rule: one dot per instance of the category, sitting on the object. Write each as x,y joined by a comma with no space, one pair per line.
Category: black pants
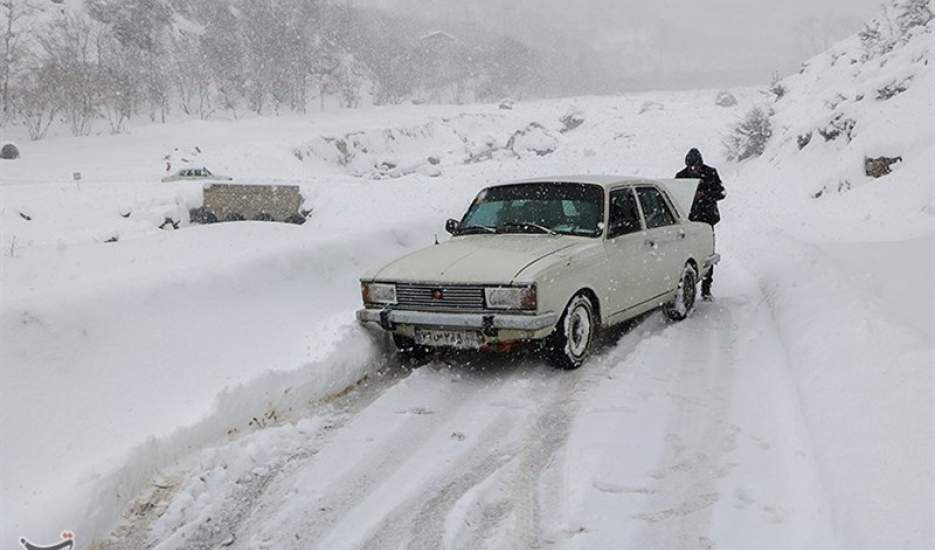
706,282
709,278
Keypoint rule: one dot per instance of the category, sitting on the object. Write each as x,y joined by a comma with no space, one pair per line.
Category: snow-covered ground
208,386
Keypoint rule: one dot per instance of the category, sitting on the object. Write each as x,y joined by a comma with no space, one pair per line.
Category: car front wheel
570,345
684,302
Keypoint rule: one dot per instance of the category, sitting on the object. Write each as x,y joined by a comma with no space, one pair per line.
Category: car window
566,208
655,209
624,215
487,214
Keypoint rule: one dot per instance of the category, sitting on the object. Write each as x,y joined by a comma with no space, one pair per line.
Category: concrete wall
251,202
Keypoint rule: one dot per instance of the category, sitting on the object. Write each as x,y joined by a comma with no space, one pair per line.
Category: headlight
378,293
523,298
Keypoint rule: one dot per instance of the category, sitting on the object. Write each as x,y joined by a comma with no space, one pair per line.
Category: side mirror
452,226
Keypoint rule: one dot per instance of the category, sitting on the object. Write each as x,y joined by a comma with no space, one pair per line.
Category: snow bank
123,343
865,379
62,214
845,261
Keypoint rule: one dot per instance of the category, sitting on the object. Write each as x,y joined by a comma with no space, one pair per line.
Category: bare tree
119,82
224,56
72,47
14,48
191,75
37,102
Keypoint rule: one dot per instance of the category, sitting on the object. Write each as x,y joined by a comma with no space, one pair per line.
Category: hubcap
579,331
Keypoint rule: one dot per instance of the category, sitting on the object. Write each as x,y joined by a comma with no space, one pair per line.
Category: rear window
656,211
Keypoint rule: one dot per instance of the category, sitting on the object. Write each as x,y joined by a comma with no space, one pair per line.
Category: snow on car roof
602,180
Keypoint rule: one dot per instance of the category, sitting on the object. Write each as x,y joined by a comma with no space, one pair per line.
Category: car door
628,283
663,240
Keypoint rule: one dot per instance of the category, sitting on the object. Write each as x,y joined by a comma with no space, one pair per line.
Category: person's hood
693,158
475,259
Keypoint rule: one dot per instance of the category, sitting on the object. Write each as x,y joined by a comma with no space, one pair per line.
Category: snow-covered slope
863,99
846,262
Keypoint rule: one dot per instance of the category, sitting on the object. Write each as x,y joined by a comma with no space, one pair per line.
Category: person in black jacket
704,209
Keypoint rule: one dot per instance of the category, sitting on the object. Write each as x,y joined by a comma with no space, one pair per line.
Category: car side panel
631,273
563,274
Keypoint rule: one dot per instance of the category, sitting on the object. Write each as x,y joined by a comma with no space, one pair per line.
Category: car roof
606,181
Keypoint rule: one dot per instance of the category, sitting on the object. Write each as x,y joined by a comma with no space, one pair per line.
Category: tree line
117,60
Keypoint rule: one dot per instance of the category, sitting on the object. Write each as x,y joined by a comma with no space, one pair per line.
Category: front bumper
495,326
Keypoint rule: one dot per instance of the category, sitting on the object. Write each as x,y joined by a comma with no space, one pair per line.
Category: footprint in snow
742,498
421,411
761,443
613,488
774,514
690,506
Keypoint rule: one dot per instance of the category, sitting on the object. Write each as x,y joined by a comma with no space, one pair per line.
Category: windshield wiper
476,229
524,225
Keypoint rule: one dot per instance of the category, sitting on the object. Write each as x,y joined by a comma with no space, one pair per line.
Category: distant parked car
193,174
550,260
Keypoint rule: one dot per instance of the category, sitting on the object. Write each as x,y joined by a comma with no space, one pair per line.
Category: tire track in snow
357,461
516,484
697,433
512,450
717,452
241,499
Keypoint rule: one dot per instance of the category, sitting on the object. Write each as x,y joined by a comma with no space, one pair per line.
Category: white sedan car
552,260
195,174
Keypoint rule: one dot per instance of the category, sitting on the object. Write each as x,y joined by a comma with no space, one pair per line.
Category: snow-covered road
674,436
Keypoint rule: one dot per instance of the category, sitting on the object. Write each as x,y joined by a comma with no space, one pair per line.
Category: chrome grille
453,298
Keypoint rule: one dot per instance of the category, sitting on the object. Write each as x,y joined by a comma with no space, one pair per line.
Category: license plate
449,339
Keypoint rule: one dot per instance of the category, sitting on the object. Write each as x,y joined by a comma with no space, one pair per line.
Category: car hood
475,259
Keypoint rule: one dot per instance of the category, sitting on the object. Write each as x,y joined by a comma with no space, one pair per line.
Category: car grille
453,298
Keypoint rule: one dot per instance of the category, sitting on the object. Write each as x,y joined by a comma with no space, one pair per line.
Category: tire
570,345
685,297
408,351
202,215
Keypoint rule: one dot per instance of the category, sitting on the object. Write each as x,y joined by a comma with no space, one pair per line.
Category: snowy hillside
846,261
870,96
207,386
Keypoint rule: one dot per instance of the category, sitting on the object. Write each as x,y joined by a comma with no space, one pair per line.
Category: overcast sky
665,43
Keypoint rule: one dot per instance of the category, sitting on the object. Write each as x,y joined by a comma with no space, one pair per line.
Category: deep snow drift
170,375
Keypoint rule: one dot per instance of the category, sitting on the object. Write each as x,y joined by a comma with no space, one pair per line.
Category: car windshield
566,208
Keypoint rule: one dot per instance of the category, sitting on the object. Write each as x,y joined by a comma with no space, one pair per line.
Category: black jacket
710,191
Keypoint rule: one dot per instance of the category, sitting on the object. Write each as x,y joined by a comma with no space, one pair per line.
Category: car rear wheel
684,302
570,345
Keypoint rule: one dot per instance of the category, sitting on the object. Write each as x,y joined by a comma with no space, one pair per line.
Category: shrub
725,99
748,138
776,87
